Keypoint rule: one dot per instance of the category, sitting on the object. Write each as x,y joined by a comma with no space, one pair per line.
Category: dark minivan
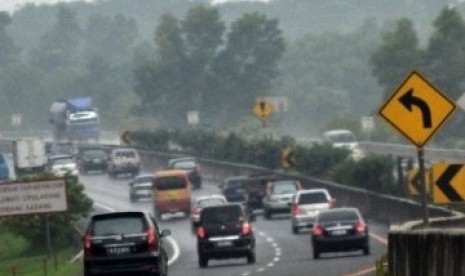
124,243
224,232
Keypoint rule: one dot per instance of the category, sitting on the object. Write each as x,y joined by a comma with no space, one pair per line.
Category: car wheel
366,250
267,214
295,230
316,254
251,257
86,271
203,261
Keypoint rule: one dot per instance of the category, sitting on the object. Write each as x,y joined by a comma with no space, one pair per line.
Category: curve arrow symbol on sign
444,182
408,101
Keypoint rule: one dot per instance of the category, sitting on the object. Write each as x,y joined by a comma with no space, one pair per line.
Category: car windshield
94,154
313,198
287,187
221,215
118,225
143,179
343,215
170,183
62,161
210,202
340,137
184,165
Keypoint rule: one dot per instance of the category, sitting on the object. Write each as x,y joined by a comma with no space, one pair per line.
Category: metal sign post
424,194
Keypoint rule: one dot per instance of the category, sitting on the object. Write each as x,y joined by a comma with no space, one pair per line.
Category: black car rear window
221,215
210,202
94,154
343,215
234,184
118,225
126,154
313,198
170,183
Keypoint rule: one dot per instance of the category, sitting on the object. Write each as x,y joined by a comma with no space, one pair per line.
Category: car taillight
246,229
317,230
360,227
331,203
152,242
201,232
196,211
87,241
296,210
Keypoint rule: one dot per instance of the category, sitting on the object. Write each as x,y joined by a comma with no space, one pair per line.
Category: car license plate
117,250
339,232
223,243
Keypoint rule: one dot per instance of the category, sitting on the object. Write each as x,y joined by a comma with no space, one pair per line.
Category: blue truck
75,119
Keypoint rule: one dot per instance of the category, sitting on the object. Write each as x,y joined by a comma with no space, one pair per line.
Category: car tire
87,271
316,254
267,213
295,230
251,257
203,261
366,250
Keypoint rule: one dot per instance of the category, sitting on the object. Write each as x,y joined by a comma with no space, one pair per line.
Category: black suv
93,160
224,232
126,243
191,166
233,188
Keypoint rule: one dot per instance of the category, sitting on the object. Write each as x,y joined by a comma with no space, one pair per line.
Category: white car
60,165
306,204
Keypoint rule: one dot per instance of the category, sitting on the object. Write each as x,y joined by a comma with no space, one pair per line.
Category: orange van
171,192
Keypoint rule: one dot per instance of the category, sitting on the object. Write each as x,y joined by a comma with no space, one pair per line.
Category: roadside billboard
27,198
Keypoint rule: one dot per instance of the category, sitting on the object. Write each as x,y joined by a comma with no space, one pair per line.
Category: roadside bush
373,173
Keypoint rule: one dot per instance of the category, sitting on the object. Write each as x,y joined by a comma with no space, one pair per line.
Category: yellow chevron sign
414,184
449,183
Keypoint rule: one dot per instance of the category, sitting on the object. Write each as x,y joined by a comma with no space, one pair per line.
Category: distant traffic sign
263,108
125,136
417,109
414,183
449,183
287,158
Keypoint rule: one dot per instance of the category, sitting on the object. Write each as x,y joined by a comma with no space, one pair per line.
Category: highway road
279,252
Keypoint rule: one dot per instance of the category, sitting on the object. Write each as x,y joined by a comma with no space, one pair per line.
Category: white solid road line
171,240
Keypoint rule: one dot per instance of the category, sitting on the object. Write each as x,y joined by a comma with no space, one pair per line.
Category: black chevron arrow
416,182
290,159
408,101
444,182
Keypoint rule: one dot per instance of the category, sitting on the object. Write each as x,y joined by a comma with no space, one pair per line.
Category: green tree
246,67
398,54
110,37
8,50
59,46
446,52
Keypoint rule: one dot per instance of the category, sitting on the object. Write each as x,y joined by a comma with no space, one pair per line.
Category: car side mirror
165,233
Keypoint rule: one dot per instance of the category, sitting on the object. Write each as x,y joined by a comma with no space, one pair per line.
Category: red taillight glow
360,227
201,232
87,240
296,210
317,230
246,229
152,240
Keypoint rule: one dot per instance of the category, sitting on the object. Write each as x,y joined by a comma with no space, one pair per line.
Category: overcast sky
12,5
